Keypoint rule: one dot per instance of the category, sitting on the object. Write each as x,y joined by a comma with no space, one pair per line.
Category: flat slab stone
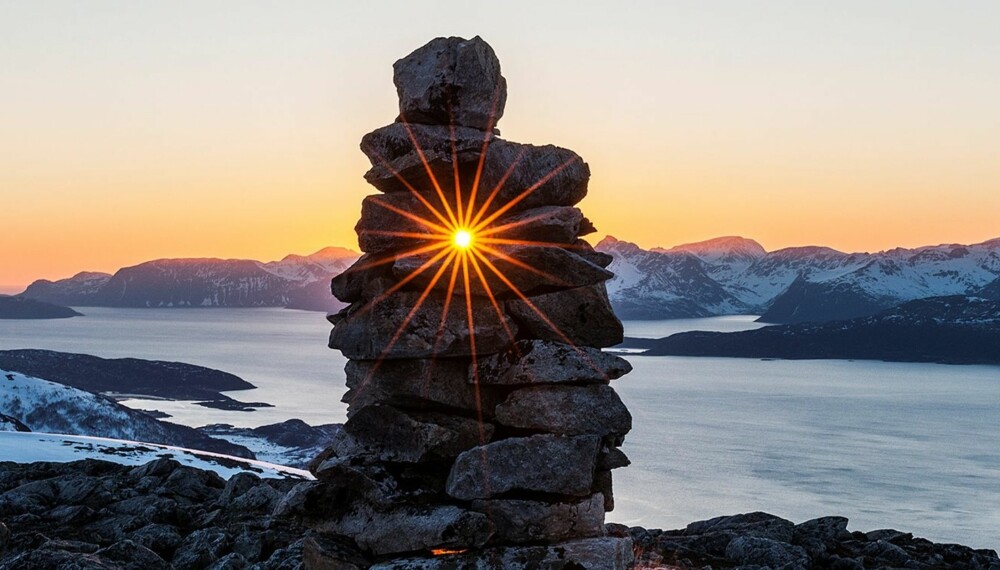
519,521
383,433
604,553
530,176
412,528
365,333
541,463
582,315
566,410
427,384
549,267
552,224
531,362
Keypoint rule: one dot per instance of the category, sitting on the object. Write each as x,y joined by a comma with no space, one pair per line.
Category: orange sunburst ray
454,165
517,291
426,203
413,235
430,173
548,322
493,300
411,216
403,282
392,257
406,322
496,189
526,242
527,192
527,267
487,136
472,346
447,306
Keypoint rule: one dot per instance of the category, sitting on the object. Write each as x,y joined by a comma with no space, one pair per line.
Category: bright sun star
462,239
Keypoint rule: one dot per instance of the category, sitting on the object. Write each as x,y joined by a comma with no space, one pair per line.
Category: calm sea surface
910,446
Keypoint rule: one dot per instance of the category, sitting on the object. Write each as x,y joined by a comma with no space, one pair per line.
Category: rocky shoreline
101,515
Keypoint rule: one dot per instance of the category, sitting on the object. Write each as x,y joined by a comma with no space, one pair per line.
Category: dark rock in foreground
24,308
95,514
761,541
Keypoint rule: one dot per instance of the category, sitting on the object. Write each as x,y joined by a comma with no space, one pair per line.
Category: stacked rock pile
481,429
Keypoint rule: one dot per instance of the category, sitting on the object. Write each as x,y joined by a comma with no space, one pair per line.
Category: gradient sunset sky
140,130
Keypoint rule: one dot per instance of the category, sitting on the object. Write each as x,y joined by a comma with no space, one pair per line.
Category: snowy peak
732,275
728,249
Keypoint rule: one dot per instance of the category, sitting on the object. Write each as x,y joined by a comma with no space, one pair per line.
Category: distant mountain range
296,282
722,276
955,329
734,275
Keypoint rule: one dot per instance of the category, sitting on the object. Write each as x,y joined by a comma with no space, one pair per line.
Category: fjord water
910,446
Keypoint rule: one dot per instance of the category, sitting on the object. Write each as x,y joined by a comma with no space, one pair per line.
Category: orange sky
134,131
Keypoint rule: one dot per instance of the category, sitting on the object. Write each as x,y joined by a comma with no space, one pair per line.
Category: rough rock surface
451,81
100,515
538,464
531,362
762,541
566,410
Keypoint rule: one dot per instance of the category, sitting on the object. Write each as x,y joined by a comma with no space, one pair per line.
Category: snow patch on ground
21,447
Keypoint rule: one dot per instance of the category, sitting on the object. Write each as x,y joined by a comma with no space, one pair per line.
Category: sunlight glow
462,239
462,236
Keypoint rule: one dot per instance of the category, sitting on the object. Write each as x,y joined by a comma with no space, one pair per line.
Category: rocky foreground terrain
100,515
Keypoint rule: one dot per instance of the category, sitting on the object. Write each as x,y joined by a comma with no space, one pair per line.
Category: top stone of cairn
451,81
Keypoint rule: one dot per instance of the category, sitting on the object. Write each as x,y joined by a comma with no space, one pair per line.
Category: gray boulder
525,267
367,333
750,550
383,433
549,224
520,521
531,362
582,315
566,410
425,383
541,463
451,81
200,549
410,528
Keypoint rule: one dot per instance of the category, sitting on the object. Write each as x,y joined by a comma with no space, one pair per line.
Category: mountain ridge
729,275
206,282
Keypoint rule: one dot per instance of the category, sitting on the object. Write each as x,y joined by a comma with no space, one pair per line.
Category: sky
132,131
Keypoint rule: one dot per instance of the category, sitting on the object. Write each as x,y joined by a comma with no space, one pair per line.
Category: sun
462,239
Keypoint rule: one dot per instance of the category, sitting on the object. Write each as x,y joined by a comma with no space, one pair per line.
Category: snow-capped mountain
74,291
44,406
664,284
296,281
990,291
735,275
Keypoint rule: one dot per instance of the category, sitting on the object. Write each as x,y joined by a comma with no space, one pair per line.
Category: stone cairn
481,429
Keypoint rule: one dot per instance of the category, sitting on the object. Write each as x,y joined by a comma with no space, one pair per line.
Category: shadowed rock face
451,80
481,418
